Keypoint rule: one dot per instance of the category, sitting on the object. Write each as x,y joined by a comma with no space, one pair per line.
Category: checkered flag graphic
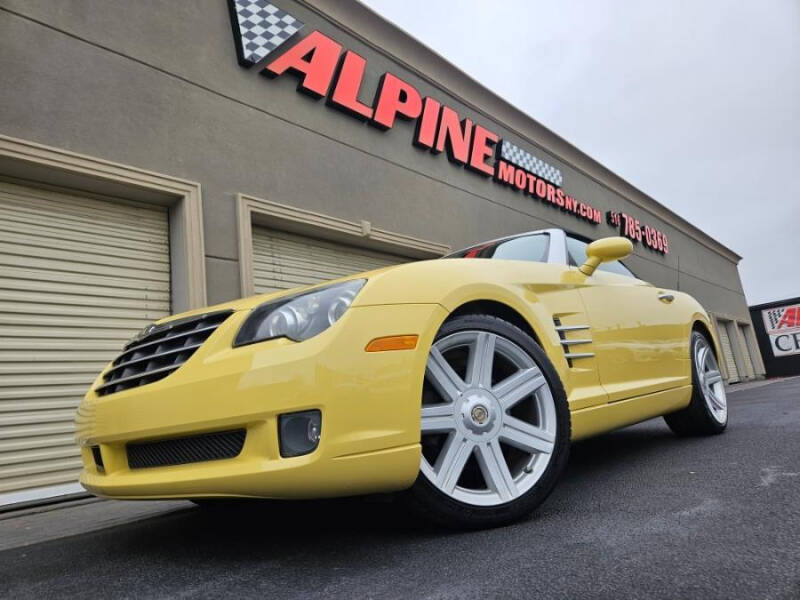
774,316
516,155
260,27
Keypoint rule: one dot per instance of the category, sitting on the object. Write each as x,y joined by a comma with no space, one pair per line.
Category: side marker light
393,342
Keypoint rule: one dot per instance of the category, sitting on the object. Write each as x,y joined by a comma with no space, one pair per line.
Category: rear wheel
707,413
495,427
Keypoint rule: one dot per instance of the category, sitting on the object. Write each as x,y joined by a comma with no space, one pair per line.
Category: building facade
156,157
777,329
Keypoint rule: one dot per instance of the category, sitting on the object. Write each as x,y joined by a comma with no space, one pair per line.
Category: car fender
452,283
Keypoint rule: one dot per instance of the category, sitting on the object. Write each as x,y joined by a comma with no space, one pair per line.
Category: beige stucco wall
156,86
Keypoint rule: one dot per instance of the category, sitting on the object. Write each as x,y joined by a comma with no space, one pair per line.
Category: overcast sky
696,103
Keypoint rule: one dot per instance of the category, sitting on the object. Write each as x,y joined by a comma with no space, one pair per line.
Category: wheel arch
705,328
525,312
497,309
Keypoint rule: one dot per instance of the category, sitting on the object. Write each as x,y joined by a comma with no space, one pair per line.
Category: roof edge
371,28
775,303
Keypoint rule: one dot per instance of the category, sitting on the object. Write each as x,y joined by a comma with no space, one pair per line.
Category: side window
577,251
529,247
577,256
616,267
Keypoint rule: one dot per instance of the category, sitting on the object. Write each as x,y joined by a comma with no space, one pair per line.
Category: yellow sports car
460,380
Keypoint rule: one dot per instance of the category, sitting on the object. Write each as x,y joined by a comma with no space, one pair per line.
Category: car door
637,329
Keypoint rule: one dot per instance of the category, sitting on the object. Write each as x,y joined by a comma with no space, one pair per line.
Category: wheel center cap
480,414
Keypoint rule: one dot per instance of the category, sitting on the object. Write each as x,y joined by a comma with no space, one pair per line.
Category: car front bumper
369,404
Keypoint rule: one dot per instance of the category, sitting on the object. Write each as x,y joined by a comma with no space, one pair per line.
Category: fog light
299,432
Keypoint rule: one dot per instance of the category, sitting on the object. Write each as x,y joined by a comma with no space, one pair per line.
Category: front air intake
159,352
185,450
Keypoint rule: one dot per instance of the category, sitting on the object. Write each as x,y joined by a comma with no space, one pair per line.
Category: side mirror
605,250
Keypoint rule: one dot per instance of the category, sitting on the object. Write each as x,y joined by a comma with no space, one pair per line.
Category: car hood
446,281
252,302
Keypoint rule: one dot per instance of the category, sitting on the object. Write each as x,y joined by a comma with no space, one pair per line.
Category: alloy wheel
710,380
488,425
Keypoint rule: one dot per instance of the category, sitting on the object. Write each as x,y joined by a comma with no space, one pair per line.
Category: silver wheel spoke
481,360
712,377
702,354
526,437
708,360
451,461
438,418
443,377
520,385
495,470
718,404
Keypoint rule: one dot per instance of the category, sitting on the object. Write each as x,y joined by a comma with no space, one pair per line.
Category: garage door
78,277
727,351
750,365
284,260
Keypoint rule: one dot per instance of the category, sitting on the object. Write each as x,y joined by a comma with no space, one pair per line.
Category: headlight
299,317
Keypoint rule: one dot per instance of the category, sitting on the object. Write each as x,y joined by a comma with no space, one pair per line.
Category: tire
495,426
707,413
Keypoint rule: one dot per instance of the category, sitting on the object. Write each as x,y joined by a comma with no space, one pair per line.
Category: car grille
185,450
159,351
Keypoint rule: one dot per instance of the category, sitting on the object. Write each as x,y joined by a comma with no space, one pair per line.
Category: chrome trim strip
574,355
170,325
114,382
167,339
121,366
571,342
571,327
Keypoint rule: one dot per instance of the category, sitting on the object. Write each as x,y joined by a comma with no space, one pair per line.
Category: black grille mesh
185,450
98,459
159,352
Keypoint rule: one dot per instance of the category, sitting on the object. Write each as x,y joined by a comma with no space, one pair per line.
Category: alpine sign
782,325
325,69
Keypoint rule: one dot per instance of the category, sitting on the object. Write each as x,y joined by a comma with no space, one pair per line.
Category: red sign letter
483,142
790,318
348,83
504,172
426,126
314,57
454,135
395,97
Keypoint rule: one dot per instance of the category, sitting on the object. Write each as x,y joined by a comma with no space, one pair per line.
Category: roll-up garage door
750,365
78,277
285,260
727,351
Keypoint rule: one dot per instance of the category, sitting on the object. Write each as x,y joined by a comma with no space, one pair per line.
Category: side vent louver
568,344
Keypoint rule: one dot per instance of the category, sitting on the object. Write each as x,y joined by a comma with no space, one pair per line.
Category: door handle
666,298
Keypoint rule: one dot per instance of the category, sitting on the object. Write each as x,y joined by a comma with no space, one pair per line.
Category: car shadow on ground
254,529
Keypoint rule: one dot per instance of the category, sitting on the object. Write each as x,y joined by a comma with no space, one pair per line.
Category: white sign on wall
783,329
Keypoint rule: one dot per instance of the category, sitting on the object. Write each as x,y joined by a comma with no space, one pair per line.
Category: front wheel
707,413
495,426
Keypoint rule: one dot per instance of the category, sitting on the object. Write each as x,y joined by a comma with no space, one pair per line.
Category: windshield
526,247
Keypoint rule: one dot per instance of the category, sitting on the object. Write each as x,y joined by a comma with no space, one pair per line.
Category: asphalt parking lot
639,514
